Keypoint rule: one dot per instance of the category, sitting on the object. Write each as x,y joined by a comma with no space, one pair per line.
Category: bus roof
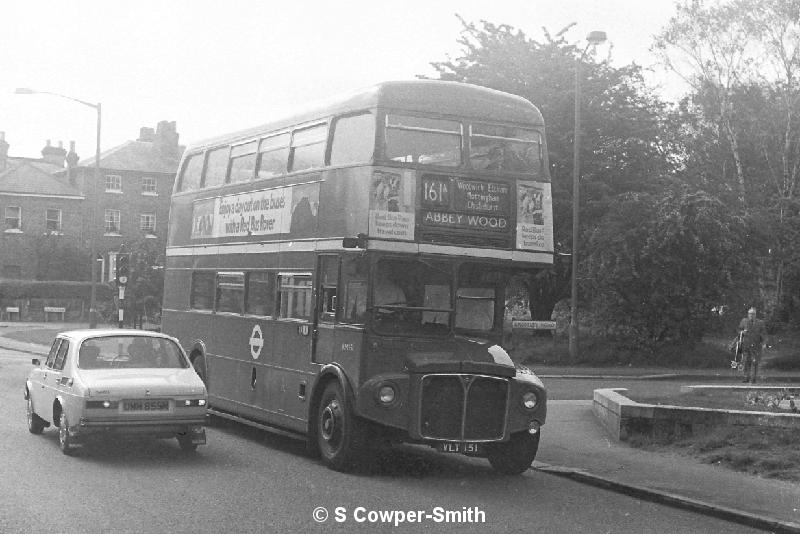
423,96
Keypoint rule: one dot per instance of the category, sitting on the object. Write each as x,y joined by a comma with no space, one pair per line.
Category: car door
37,379
51,381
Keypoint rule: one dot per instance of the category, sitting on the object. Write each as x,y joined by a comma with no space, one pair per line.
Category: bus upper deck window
308,147
243,162
192,172
273,156
216,167
505,148
423,140
353,139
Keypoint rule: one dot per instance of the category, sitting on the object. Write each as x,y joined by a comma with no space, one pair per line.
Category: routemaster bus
342,274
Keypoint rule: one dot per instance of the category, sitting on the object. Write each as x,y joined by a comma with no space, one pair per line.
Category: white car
116,382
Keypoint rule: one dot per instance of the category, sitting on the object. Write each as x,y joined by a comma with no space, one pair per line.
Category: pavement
576,446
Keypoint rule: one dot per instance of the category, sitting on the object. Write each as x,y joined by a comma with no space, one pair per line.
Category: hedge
26,289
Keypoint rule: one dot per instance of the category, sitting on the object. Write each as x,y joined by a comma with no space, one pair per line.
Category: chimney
54,155
166,139
72,162
3,151
146,134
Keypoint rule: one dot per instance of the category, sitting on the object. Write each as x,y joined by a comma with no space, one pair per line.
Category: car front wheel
516,456
65,441
35,423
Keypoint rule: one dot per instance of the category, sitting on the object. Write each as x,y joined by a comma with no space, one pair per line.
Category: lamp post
593,39
92,251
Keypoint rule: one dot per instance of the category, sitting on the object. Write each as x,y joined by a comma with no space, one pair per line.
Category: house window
113,183
112,222
53,220
149,185
13,219
147,223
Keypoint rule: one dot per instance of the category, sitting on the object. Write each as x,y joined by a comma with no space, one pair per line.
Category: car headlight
386,394
191,402
529,400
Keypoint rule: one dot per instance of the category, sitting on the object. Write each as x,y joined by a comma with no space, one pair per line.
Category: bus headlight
386,394
529,400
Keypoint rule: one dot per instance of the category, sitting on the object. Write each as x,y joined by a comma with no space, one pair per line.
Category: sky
215,67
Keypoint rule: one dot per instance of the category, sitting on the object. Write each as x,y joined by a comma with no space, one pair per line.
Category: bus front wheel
340,436
515,456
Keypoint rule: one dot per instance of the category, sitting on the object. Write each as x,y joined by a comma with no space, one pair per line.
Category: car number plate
463,447
145,405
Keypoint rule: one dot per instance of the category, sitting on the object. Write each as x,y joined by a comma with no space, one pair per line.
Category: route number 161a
436,192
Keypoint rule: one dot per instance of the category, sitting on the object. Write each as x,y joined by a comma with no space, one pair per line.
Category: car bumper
163,428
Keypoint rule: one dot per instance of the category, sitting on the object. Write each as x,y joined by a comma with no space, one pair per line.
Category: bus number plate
462,447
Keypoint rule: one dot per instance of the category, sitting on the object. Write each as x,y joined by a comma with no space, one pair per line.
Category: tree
60,258
706,45
624,144
742,59
145,290
660,262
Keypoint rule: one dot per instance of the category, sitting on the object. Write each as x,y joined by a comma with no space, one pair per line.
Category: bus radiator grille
463,407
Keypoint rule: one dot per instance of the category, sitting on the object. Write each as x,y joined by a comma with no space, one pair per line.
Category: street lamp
593,39
92,251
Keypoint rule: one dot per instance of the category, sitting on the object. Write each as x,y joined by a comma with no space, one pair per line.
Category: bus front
459,209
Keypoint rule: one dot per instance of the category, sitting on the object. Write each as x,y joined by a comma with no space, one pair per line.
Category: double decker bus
343,274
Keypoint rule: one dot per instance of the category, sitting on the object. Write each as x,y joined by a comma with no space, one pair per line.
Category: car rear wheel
185,443
35,423
340,435
516,456
65,442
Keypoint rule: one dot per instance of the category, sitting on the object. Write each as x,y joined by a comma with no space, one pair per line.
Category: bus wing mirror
354,242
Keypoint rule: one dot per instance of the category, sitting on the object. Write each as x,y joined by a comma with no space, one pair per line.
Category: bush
27,289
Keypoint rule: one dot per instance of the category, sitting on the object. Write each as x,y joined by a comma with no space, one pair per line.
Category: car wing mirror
35,361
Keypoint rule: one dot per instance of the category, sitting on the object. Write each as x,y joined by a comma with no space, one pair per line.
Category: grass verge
763,451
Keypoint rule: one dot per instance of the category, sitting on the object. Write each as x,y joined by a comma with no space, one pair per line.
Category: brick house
36,206
130,201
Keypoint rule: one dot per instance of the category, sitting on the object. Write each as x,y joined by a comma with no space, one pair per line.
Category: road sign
534,325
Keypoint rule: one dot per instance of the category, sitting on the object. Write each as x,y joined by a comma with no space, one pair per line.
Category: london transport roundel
256,342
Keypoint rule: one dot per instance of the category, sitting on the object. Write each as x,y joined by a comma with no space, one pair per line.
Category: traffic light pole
123,274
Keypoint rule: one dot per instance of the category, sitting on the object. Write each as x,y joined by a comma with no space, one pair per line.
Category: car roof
82,335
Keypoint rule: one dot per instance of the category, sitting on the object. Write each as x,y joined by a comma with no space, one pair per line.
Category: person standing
753,334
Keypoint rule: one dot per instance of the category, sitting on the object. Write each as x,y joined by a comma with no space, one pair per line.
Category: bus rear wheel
340,435
516,456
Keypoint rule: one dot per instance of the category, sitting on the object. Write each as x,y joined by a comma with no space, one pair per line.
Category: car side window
61,356
51,356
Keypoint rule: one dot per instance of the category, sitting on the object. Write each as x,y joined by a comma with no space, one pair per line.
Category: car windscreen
130,352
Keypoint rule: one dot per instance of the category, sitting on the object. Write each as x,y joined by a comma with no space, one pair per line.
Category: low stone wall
624,418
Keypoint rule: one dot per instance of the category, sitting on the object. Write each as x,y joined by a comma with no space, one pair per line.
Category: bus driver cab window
387,292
